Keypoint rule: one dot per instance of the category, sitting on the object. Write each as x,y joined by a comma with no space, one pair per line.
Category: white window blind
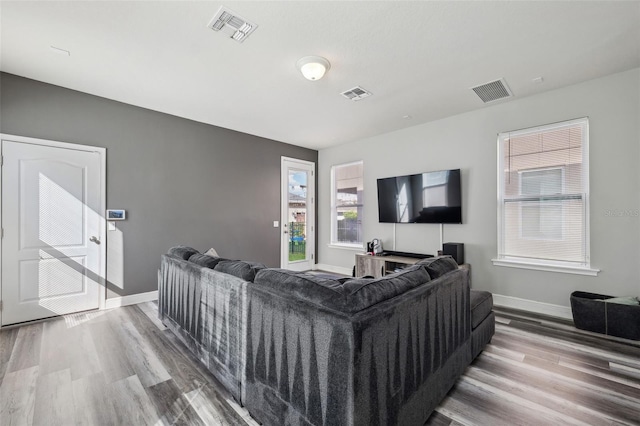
347,205
543,194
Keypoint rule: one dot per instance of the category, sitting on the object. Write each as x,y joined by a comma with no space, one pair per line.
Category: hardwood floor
122,367
116,367
541,371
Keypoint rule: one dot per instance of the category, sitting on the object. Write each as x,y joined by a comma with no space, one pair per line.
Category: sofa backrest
182,252
347,296
240,268
205,260
319,291
438,266
362,293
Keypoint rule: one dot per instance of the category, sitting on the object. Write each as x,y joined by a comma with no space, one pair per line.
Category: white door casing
297,225
53,247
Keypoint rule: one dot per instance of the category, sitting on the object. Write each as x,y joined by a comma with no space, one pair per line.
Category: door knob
94,239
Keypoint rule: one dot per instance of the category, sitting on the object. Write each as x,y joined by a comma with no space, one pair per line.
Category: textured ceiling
417,58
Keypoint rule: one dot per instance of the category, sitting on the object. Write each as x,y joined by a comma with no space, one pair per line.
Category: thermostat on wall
116,214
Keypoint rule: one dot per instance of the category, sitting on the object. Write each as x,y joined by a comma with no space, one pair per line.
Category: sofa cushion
240,268
315,289
438,266
481,305
205,260
350,296
364,292
182,252
340,278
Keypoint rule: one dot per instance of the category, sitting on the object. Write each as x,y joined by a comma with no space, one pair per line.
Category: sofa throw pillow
629,300
212,252
240,268
438,266
182,252
205,260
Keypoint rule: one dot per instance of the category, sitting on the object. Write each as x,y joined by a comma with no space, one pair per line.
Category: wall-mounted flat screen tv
432,197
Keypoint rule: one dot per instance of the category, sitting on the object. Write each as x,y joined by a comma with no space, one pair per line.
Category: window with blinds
347,190
543,194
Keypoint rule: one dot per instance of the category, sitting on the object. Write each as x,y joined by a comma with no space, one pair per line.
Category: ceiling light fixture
313,67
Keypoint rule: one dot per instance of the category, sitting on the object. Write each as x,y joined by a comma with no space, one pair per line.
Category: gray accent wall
181,181
469,142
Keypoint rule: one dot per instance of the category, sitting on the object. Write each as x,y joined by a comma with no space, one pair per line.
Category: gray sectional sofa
303,349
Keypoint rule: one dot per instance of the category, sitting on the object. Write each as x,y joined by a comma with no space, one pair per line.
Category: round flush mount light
313,67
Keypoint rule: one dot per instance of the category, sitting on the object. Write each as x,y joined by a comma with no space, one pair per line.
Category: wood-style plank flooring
544,371
122,367
116,367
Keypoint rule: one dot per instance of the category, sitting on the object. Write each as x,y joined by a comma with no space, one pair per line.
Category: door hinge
1,160
1,233
311,256
0,305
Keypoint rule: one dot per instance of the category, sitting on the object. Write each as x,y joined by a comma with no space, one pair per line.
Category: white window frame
543,264
334,210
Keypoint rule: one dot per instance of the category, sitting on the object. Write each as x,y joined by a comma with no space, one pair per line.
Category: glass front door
297,215
297,211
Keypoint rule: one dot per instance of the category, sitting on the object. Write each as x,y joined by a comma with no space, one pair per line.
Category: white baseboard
116,302
533,306
334,269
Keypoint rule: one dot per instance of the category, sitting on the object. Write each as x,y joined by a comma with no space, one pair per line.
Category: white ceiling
417,58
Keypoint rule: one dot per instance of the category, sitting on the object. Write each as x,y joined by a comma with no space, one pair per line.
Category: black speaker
456,250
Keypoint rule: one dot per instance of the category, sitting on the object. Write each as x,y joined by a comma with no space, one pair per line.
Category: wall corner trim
116,302
533,306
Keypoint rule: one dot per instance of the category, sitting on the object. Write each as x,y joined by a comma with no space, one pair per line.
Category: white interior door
298,215
52,257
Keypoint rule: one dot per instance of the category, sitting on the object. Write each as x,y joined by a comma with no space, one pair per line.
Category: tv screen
432,197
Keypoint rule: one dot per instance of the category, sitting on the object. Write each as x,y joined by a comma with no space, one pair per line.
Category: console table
379,266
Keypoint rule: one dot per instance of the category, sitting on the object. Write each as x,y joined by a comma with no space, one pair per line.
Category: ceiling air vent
230,23
356,93
493,91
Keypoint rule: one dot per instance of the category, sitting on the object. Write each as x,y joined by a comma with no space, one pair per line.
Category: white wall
468,142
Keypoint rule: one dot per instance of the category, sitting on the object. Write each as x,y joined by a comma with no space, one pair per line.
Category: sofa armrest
205,309
411,350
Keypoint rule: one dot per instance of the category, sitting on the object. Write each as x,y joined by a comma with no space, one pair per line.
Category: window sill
546,266
354,247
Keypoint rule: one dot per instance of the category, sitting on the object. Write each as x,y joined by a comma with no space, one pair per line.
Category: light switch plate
276,224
